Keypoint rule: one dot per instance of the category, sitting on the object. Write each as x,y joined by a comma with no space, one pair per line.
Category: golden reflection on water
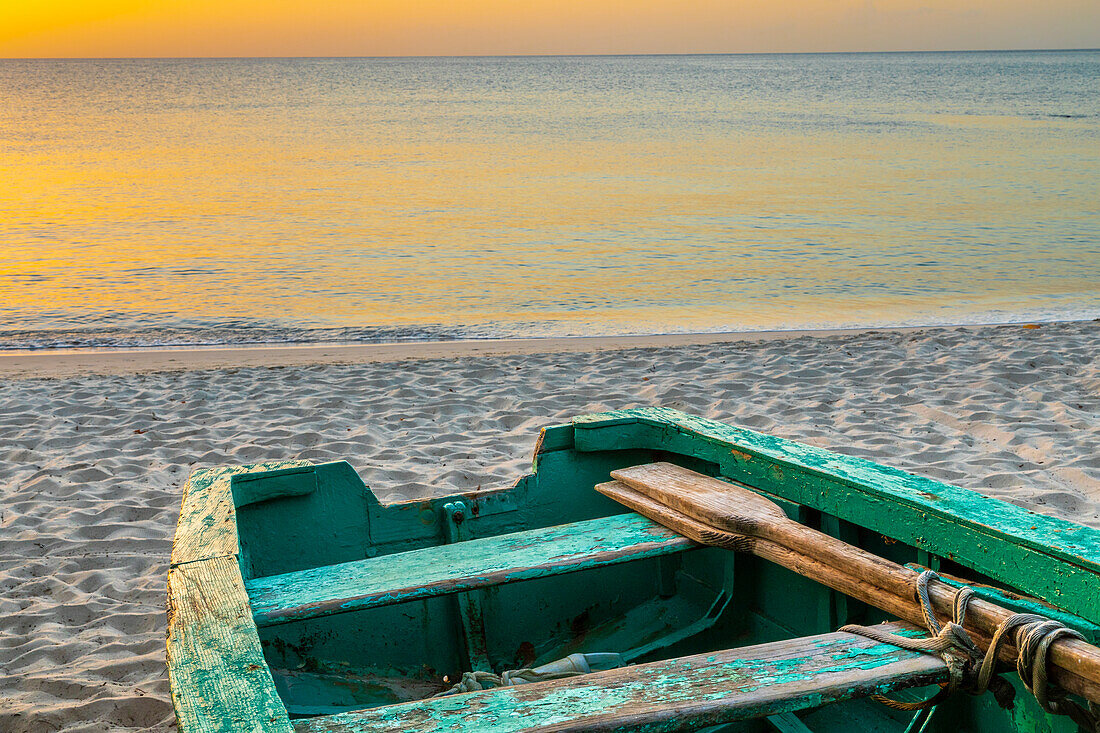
350,206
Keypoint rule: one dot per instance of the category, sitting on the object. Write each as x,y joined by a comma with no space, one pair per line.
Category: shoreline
61,363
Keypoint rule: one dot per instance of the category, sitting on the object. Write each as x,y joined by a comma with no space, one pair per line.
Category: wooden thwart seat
676,694
433,571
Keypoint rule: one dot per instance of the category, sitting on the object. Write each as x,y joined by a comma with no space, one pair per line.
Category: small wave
241,334
199,337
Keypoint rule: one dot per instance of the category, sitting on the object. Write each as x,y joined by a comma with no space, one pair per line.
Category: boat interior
366,606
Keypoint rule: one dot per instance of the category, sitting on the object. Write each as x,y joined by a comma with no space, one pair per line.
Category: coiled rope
473,681
571,666
1033,636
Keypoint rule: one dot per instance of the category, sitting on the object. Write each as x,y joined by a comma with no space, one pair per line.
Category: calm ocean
244,201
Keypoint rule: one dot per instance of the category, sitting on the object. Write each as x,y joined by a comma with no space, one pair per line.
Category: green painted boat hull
273,627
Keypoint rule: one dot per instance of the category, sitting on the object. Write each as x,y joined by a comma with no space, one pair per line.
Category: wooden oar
801,564
904,607
731,515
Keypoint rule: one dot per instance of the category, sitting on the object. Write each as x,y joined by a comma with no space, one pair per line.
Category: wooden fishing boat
299,602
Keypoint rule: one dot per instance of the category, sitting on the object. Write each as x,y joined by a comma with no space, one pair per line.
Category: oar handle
982,616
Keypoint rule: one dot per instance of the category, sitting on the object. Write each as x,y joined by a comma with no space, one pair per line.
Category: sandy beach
96,447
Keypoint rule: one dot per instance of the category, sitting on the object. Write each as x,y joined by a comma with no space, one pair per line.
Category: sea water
157,202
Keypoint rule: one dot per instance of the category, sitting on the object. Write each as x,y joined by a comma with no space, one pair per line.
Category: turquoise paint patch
878,651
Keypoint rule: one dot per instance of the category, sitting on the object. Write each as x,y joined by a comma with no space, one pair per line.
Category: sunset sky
119,28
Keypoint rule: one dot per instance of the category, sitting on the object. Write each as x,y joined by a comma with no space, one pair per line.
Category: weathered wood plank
1046,557
477,563
672,695
219,680
206,527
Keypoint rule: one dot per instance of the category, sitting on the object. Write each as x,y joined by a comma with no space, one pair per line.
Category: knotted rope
1033,636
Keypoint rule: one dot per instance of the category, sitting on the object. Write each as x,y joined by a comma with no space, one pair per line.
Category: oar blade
729,506
674,520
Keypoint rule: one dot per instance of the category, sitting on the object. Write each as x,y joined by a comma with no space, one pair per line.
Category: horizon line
549,55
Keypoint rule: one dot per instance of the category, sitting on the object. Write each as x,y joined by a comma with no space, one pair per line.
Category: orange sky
84,28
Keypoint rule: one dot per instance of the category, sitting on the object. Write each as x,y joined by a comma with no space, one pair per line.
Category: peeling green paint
671,695
355,554
463,566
